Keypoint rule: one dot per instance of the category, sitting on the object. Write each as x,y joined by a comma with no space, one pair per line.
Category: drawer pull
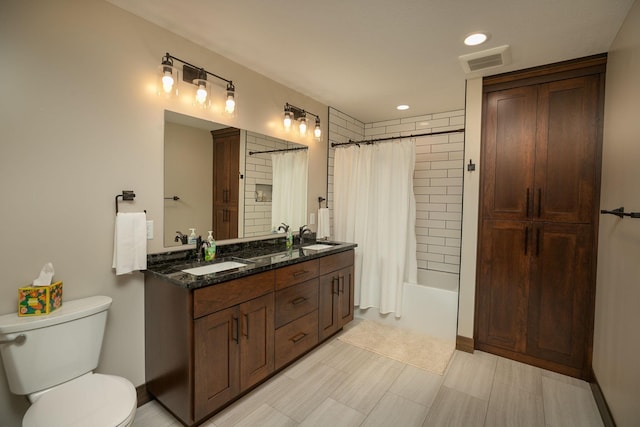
235,330
300,273
298,300
297,338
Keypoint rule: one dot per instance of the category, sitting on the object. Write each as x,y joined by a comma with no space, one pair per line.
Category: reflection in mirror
230,195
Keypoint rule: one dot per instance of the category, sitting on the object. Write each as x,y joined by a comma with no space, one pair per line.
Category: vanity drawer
227,294
336,262
296,273
296,301
297,337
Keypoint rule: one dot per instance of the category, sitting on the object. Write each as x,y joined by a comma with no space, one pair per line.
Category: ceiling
365,57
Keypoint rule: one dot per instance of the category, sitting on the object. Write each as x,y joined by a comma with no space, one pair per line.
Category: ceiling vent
486,59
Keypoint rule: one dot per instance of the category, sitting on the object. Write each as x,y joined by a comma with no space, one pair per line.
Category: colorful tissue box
39,300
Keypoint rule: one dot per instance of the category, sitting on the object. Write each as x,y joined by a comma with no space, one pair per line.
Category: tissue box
39,300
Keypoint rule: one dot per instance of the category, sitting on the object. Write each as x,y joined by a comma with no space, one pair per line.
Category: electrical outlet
150,229
312,218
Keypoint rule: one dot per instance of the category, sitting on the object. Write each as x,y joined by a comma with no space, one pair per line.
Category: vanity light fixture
291,113
196,76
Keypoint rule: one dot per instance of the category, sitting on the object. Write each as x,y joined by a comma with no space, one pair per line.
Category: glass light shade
202,93
168,80
317,132
287,120
230,103
303,126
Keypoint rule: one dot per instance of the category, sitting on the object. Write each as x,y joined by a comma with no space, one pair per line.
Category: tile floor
341,385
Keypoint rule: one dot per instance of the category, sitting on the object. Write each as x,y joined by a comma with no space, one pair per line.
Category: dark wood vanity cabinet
336,293
540,178
205,347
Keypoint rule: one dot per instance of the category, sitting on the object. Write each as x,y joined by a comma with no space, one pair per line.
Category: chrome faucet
303,230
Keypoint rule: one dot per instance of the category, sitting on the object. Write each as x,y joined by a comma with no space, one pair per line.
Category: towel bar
620,213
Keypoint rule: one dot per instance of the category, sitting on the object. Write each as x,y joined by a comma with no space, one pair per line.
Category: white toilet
51,358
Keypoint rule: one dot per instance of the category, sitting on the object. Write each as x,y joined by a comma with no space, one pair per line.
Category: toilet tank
59,346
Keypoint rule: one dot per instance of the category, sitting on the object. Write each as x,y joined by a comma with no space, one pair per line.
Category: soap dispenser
289,239
193,239
210,249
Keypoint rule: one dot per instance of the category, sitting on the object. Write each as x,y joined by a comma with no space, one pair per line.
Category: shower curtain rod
251,153
373,141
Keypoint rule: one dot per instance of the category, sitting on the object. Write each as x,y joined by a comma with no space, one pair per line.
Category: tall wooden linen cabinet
540,190
226,175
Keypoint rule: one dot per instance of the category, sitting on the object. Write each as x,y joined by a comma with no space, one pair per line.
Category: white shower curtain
289,192
375,208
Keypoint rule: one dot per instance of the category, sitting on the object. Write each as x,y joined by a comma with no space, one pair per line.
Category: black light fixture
169,77
291,113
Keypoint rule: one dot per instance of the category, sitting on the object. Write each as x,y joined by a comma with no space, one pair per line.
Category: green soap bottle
210,249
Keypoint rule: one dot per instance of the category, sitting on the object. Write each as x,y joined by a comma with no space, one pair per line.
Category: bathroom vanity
211,338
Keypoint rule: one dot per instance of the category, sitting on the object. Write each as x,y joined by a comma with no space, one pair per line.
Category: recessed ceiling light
475,39
402,107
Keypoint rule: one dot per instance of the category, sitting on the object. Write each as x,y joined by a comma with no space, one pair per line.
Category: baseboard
143,395
601,402
464,344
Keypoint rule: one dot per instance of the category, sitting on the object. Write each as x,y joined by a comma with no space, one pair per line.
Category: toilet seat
90,400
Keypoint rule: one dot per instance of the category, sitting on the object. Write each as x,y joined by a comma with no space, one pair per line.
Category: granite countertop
259,256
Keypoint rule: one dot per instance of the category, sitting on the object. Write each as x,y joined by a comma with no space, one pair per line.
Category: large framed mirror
222,179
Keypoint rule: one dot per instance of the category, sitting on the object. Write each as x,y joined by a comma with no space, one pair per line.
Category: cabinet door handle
245,325
334,287
526,239
300,273
298,300
537,241
235,328
527,206
539,202
297,338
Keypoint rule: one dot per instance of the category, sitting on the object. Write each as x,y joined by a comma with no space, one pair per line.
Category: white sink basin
214,268
317,247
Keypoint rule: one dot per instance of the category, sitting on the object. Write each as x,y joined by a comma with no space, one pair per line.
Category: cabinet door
345,294
508,148
225,225
560,296
503,285
216,379
328,320
566,145
256,340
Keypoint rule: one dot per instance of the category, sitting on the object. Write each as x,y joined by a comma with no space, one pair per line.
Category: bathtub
430,307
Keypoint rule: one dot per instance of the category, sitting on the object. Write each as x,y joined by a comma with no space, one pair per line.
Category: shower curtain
289,193
375,208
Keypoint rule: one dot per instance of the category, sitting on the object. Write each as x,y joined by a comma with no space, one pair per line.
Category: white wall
616,339
80,122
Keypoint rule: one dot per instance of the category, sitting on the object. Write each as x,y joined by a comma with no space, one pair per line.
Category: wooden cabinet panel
560,294
335,301
256,340
213,298
508,149
216,379
295,338
503,284
296,273
565,177
296,301
336,262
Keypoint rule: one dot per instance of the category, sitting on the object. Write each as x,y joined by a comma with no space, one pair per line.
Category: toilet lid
90,400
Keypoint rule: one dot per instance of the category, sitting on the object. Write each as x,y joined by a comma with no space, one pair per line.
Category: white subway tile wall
437,181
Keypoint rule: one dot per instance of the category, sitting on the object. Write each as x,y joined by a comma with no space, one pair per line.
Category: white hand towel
323,223
130,242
